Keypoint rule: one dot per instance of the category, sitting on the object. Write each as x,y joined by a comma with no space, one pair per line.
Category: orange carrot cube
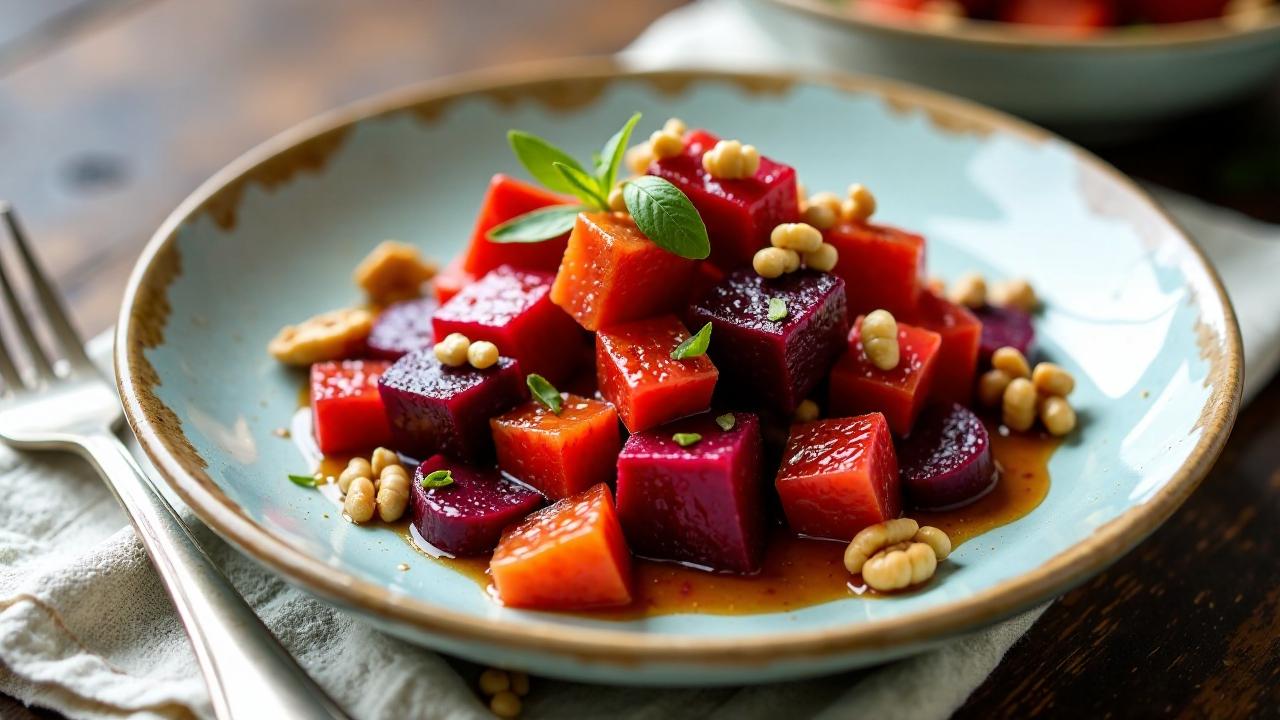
636,373
559,455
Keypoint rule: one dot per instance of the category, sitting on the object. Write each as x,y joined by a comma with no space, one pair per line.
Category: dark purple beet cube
700,504
437,409
402,328
767,363
947,459
739,214
1004,327
467,517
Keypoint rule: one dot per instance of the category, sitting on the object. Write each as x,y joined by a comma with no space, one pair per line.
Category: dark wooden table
111,111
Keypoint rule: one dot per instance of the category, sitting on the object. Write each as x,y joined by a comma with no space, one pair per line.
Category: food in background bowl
1071,17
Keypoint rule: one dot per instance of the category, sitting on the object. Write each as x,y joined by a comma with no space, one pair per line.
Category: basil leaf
777,309
535,226
307,481
665,216
545,392
438,479
726,421
694,346
686,439
582,185
612,154
539,157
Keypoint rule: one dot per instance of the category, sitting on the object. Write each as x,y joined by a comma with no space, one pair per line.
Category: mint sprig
695,345
660,210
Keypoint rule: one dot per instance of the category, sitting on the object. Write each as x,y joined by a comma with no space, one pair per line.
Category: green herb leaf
582,185
610,157
777,309
665,216
686,439
307,481
538,225
539,157
545,392
694,346
726,421
438,479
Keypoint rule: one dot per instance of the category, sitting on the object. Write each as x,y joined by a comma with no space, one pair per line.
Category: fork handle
249,674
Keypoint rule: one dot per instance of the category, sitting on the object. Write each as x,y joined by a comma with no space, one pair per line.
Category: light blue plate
1133,310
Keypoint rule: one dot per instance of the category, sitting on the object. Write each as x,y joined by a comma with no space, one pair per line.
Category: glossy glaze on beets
559,455
857,386
402,328
947,460
636,372
467,517
1004,327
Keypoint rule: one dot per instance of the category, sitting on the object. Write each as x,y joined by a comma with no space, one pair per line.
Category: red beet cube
957,363
509,198
513,310
637,374
437,409
858,387
739,214
882,267
570,556
699,504
1004,327
346,410
451,280
774,363
402,328
1066,17
467,517
560,455
838,476
612,273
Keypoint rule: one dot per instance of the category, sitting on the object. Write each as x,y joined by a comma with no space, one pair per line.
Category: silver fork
63,403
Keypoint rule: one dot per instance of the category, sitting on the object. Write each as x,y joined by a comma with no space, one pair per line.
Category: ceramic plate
1133,309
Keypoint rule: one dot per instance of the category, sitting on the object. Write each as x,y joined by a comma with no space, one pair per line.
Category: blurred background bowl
1116,76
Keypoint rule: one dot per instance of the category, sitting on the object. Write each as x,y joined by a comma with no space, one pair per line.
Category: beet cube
1004,327
437,409
701,504
513,310
509,198
774,364
839,476
947,460
739,214
402,328
570,556
559,455
612,273
961,333
882,266
346,410
637,374
858,387
467,517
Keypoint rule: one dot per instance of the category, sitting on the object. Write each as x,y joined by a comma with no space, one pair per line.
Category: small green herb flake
777,309
726,421
686,439
438,479
694,346
545,392
306,481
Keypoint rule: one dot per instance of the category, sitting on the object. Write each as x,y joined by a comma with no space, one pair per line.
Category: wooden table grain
112,111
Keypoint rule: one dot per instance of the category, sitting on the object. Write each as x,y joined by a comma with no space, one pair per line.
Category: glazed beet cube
570,556
402,328
612,273
636,373
509,198
559,455
883,267
859,387
513,310
437,409
961,333
839,476
947,460
468,516
451,280
1004,327
700,504
774,364
346,410
739,214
